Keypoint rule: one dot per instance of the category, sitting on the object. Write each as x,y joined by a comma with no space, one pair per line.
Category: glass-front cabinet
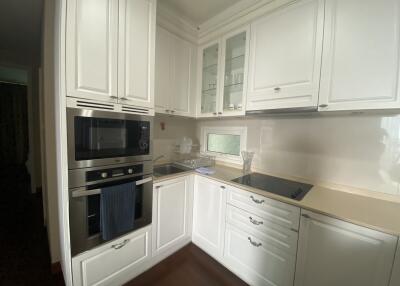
223,76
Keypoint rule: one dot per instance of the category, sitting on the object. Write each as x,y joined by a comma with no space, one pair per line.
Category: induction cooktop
289,189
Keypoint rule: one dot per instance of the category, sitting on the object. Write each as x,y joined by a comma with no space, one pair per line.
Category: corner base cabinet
209,205
333,252
114,263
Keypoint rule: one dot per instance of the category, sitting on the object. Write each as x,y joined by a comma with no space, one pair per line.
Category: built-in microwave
101,138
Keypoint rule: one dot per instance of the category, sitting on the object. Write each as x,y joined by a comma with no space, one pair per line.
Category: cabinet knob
123,98
323,105
120,245
277,89
214,113
305,216
254,243
167,110
113,96
256,201
223,187
172,111
219,113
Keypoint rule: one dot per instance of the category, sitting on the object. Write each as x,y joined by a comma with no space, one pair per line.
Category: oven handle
85,193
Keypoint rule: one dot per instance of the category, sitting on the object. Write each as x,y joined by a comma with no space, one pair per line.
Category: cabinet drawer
256,261
115,262
280,213
272,233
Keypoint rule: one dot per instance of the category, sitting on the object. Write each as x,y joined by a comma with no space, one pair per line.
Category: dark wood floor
190,266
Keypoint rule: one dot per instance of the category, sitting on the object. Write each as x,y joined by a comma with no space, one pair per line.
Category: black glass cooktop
290,189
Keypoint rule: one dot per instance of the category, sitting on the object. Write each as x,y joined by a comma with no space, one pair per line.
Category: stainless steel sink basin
168,169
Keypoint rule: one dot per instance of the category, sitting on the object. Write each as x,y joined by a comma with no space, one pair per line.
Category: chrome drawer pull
254,243
120,245
253,221
257,201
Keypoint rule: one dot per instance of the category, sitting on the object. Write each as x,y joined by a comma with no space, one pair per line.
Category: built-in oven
85,200
101,138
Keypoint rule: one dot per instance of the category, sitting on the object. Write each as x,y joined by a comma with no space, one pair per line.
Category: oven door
84,206
100,138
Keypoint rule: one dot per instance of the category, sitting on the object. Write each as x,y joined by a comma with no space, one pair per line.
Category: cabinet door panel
395,280
163,76
209,206
333,252
258,262
136,52
182,54
91,51
285,57
360,68
173,213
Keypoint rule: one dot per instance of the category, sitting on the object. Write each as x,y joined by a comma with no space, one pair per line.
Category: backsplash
175,128
361,151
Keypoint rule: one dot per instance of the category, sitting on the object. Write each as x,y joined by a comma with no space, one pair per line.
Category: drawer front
272,233
277,212
257,262
119,260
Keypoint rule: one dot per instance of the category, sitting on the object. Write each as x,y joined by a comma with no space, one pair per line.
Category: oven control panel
108,173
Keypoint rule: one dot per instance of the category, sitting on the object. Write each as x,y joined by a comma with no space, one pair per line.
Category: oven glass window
98,138
93,211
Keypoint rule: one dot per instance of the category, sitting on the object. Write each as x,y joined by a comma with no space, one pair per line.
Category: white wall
175,128
361,151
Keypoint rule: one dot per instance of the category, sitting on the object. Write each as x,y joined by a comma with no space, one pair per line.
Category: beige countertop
373,212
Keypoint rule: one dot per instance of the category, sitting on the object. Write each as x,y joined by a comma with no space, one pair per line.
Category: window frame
237,130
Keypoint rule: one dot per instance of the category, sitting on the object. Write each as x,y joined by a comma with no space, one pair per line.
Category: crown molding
239,14
176,24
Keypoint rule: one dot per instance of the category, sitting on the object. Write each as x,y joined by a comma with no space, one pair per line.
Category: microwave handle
85,193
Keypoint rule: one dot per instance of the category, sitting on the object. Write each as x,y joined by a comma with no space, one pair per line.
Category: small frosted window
223,144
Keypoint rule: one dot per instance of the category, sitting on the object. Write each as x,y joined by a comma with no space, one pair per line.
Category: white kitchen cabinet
360,66
92,49
223,74
395,280
172,215
257,261
285,57
136,52
110,51
209,205
333,252
175,83
114,263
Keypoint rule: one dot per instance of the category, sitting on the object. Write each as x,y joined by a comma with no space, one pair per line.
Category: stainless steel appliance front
85,199
101,138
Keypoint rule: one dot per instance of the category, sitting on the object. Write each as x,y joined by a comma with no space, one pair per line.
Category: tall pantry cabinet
110,50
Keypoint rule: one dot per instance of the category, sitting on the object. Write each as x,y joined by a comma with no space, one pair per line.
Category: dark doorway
24,258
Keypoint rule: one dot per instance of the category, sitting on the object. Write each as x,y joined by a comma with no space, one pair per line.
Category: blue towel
117,210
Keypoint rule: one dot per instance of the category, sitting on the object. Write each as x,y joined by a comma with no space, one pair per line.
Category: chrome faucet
158,158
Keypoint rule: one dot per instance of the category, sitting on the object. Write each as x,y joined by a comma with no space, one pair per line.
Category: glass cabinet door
209,80
234,75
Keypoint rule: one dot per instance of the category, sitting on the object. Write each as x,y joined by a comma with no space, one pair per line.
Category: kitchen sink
168,169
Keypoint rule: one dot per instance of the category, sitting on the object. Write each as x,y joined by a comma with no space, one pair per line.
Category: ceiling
20,26
198,11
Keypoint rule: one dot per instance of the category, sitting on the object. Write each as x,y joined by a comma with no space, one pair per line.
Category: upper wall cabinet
110,50
285,57
223,70
175,78
360,67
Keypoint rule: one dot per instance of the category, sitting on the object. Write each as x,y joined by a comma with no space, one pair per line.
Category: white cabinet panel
360,68
272,233
277,212
113,263
256,261
285,57
172,214
333,252
175,75
163,88
136,52
92,49
182,77
395,280
209,206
